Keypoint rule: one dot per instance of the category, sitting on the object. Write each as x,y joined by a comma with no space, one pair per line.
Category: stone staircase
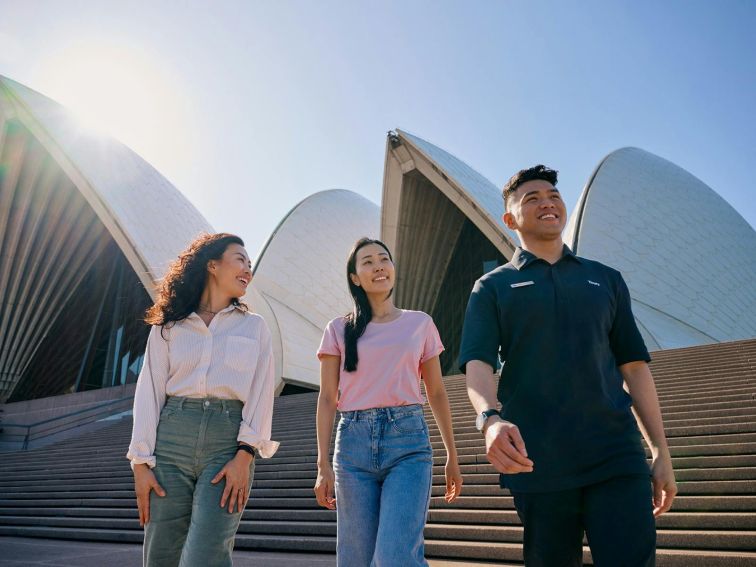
82,488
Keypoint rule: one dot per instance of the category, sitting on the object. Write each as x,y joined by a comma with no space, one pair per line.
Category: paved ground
23,552
18,552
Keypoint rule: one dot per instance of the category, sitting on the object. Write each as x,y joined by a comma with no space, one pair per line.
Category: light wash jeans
187,527
383,465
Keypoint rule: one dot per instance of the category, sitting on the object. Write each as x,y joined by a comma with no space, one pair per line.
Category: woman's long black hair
357,320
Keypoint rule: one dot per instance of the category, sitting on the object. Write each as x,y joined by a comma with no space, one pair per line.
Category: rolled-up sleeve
329,344
432,345
480,332
257,413
149,399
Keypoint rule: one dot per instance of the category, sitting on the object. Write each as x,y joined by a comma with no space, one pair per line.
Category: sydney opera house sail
443,221
86,228
299,281
688,257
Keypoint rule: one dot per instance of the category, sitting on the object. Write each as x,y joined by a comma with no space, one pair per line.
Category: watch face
480,421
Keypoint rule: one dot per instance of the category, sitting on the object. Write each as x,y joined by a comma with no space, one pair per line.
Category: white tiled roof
156,218
688,257
482,191
301,273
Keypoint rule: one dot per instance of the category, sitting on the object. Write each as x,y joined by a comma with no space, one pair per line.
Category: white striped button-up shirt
232,358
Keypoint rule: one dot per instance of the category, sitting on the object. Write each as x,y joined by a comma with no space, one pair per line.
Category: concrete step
495,552
265,469
670,520
685,539
82,488
469,549
697,503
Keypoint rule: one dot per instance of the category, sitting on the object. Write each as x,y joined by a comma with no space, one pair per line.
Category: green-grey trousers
187,527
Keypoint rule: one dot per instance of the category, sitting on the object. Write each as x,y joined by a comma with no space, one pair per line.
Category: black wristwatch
247,449
480,421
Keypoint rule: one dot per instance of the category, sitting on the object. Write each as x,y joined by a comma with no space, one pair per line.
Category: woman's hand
453,480
144,482
236,473
325,486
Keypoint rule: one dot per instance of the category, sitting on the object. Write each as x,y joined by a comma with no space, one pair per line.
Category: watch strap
247,449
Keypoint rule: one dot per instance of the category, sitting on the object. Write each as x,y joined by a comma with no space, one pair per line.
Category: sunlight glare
121,92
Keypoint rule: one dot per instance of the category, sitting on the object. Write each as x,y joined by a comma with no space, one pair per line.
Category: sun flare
122,92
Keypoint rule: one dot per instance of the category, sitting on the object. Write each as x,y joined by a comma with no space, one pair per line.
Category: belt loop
181,402
224,406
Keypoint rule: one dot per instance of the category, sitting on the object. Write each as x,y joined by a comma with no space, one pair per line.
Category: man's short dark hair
524,175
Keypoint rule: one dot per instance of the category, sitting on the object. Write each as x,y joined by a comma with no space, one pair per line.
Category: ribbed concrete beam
68,202
427,195
429,225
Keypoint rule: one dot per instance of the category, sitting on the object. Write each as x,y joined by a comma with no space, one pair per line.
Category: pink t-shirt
390,355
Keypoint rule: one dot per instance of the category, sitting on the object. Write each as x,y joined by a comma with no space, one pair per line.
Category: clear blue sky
262,104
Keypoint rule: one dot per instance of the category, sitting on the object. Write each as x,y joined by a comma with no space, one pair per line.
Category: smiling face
232,272
536,211
374,270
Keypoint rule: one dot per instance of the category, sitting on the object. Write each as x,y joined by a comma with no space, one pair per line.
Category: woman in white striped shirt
203,406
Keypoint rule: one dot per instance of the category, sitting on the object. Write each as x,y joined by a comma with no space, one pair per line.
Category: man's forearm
481,385
641,386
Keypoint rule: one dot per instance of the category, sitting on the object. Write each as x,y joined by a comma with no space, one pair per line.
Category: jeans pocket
167,413
233,417
409,424
345,424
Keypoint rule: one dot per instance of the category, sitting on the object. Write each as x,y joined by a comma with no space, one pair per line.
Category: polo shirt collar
522,258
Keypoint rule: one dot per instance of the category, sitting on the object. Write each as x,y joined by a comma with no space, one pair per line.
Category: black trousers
616,516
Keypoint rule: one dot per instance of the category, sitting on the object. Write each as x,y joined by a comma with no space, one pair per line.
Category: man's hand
505,448
236,472
663,479
144,482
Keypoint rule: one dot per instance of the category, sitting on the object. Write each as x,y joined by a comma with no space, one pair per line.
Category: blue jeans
187,527
383,466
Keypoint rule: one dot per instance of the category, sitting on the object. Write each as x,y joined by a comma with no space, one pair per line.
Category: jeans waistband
182,402
389,413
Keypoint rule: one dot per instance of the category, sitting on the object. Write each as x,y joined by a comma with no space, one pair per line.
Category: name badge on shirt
522,284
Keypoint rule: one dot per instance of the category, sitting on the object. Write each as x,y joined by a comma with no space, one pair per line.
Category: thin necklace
207,310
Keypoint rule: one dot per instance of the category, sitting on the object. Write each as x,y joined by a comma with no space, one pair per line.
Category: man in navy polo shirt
566,441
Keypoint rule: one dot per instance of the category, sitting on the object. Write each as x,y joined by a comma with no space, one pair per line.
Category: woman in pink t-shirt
371,365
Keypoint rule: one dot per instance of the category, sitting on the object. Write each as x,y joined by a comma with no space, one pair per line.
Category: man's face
536,211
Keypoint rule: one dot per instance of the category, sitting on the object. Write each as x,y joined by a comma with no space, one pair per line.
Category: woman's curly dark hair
180,290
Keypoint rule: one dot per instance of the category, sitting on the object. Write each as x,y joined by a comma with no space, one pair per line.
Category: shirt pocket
241,353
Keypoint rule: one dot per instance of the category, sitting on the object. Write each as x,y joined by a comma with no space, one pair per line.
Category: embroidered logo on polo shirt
594,283
522,284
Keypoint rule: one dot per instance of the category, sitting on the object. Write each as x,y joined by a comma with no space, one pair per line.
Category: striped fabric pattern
232,358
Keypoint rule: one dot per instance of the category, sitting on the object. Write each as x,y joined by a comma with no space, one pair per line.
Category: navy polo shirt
560,332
